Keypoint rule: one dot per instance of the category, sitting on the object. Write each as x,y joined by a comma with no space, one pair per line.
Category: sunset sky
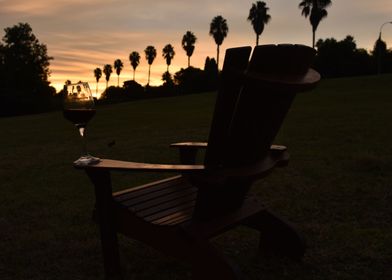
83,35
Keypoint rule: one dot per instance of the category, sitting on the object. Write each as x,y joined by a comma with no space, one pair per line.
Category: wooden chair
180,214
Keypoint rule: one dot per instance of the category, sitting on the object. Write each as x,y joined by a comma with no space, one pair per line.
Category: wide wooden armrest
195,145
109,164
278,148
204,145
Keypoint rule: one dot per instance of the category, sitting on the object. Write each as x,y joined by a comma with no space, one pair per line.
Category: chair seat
166,202
171,202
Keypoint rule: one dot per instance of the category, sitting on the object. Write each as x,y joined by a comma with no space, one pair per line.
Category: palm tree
258,16
188,44
219,30
134,58
97,75
316,10
118,65
168,53
107,70
150,53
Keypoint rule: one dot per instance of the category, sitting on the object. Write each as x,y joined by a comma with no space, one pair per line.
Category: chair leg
277,237
107,224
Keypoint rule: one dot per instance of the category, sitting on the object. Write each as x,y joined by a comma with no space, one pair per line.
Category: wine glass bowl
79,108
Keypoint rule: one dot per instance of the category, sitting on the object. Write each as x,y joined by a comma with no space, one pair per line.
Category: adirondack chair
180,214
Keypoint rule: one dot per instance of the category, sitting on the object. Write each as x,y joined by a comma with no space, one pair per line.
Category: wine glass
78,108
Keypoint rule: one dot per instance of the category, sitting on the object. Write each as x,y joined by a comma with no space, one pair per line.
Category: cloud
83,35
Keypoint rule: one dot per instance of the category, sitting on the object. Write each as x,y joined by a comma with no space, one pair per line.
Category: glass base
87,160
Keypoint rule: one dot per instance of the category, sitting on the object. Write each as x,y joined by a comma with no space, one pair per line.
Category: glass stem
82,131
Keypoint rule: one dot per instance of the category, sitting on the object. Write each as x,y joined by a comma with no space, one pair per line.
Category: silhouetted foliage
134,58
218,30
113,93
150,53
211,74
342,58
24,71
168,53
132,87
167,79
107,70
258,16
188,44
190,80
382,56
97,75
118,65
316,10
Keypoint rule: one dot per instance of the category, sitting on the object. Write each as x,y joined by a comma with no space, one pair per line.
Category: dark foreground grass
337,188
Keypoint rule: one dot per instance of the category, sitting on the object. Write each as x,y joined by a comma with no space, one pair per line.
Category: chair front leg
106,218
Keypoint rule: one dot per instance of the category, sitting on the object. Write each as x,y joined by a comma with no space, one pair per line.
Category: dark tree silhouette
167,79
150,53
219,30
379,52
97,75
134,58
258,16
342,58
24,59
118,65
188,44
168,53
107,70
316,10
24,72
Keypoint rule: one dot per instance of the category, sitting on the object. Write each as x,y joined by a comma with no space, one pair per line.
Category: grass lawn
337,188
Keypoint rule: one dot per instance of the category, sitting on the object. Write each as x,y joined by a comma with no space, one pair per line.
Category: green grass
337,188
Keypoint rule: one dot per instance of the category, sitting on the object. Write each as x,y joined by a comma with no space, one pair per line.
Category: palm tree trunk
167,70
149,69
257,39
96,91
189,61
217,57
118,80
133,74
314,38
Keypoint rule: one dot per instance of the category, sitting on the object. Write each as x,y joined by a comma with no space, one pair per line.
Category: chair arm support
108,164
188,150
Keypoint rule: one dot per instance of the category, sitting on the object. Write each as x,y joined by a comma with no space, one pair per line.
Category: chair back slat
235,63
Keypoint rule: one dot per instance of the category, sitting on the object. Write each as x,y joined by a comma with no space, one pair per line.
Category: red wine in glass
79,117
78,108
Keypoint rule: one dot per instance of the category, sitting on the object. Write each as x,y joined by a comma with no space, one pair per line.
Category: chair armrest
188,150
109,164
196,145
189,145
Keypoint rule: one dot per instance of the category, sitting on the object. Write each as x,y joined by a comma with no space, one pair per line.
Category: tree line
258,17
24,62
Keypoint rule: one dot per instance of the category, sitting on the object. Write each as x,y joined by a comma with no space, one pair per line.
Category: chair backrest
251,105
251,108
235,63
